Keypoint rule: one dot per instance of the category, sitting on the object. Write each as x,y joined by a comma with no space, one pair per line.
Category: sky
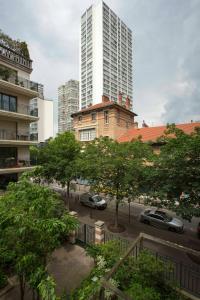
166,50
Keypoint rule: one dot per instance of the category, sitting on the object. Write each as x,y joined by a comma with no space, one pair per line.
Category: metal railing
22,109
85,234
28,84
12,162
186,276
15,57
17,136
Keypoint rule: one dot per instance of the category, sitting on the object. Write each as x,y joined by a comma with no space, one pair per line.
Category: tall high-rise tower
105,56
68,103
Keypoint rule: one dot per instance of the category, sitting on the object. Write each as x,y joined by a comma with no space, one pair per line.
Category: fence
85,234
186,276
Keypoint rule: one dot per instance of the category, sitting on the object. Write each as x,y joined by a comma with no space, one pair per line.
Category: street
90,216
87,215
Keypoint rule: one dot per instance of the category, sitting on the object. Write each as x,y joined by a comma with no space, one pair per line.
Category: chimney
127,103
144,124
105,99
120,98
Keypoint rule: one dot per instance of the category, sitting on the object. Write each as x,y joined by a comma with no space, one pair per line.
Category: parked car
93,201
161,219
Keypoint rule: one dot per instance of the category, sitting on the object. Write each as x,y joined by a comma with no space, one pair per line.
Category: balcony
21,112
11,56
12,165
8,137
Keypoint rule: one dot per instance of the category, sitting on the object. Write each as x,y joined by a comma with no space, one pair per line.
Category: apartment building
43,129
68,103
108,118
16,113
105,56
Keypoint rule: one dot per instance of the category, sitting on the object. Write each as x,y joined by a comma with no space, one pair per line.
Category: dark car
161,219
93,201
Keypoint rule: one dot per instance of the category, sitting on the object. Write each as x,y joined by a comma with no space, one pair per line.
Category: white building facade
43,129
68,103
105,56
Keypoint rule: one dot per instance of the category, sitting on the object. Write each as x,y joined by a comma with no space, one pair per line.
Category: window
80,118
8,102
106,117
93,115
118,117
87,134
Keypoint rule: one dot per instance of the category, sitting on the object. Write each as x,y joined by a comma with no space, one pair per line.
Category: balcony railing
22,109
15,57
28,84
19,136
12,162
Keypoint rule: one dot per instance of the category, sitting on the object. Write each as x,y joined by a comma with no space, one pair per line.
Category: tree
115,169
58,159
175,175
33,222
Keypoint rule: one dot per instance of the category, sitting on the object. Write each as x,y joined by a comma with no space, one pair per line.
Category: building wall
105,56
119,123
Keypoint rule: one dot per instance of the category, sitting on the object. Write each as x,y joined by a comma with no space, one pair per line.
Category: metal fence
85,234
186,276
123,243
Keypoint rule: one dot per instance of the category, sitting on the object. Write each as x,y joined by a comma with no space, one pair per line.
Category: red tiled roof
153,133
99,106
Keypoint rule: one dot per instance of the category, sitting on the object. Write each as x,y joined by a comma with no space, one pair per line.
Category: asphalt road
134,227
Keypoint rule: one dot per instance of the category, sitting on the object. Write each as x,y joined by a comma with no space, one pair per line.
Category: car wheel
172,229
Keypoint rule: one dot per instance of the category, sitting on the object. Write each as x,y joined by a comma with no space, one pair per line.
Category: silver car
93,201
161,219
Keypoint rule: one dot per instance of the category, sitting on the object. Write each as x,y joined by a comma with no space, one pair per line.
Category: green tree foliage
16,45
58,159
175,175
142,278
33,222
116,169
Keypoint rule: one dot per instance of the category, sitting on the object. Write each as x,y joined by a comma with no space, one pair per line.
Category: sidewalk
69,266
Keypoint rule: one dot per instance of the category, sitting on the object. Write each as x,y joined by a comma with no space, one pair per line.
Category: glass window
93,116
5,102
106,117
8,103
13,104
87,134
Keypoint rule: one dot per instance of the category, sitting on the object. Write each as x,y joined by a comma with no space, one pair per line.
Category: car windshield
97,198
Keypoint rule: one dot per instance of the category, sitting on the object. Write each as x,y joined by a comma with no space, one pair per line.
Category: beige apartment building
16,114
107,118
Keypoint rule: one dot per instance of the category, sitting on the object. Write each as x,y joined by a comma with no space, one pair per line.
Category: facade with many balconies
16,113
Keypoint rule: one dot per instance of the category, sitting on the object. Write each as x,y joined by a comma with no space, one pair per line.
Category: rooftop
148,134
102,105
15,52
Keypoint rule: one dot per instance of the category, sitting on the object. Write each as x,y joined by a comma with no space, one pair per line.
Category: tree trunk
22,287
38,296
68,185
116,213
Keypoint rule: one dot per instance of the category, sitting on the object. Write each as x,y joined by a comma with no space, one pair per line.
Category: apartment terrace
10,56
